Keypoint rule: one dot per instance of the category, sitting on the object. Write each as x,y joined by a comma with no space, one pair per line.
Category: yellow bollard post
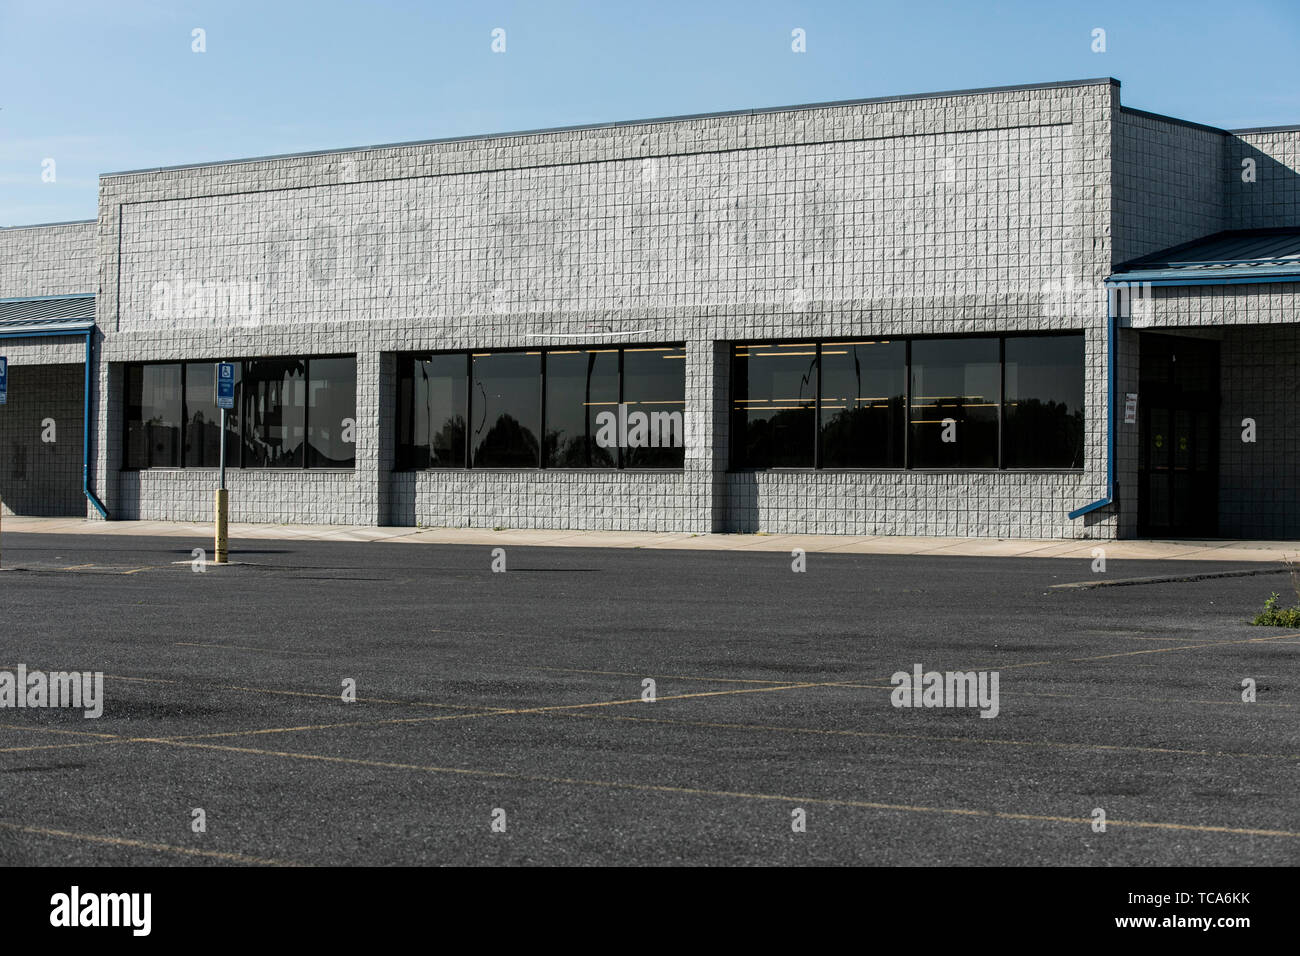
220,546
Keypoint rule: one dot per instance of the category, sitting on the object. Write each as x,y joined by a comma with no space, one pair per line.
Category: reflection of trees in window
490,405
580,451
507,444
774,407
782,439
869,436
962,394
448,443
172,420
1043,434
274,395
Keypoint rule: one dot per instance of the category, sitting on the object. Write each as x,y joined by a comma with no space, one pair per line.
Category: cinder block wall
1169,183
1273,197
55,259
40,440
942,214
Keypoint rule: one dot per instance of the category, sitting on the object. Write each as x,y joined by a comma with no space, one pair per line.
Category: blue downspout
1110,415
85,437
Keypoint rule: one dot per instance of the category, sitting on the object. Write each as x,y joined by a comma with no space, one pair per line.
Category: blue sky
105,86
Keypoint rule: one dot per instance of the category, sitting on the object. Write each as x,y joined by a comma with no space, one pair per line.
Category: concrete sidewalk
1202,550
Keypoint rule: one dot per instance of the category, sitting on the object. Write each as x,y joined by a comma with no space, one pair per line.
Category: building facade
1017,312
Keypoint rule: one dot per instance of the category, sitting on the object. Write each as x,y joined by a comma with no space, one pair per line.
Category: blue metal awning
1234,256
47,315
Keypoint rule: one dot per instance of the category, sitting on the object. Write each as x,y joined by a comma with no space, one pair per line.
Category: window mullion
907,404
817,409
1002,395
541,431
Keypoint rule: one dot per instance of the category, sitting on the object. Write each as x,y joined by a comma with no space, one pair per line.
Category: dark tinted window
954,412
274,394
1043,408
863,413
432,412
506,403
331,412
154,416
202,417
580,384
654,395
774,395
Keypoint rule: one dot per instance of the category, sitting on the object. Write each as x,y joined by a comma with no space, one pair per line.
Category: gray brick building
872,317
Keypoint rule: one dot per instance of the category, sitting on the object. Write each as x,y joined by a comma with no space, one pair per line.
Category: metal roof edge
618,124
1173,119
1165,254
43,225
46,298
1265,129
70,329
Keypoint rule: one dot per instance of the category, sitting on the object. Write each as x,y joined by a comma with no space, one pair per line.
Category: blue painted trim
85,437
1136,278
69,333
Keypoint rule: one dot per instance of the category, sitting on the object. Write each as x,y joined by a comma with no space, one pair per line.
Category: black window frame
406,361
736,442
243,369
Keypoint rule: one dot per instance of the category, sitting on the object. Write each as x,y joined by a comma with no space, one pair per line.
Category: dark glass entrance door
1178,401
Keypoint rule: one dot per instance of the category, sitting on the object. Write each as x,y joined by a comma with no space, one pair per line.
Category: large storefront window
507,409
1043,409
432,411
580,385
654,393
155,416
289,413
600,407
331,412
274,413
1013,401
954,407
864,388
775,404
202,417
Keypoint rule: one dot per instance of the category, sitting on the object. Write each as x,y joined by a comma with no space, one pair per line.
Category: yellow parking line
657,676
729,794
144,845
84,743
466,713
292,693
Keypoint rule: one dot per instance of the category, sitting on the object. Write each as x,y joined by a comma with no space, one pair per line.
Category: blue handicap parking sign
225,385
4,380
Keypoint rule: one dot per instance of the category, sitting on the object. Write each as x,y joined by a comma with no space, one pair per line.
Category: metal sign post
225,400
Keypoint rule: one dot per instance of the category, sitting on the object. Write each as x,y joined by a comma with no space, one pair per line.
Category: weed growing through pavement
1274,616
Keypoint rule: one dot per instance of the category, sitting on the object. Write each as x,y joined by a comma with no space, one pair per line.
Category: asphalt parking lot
479,692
